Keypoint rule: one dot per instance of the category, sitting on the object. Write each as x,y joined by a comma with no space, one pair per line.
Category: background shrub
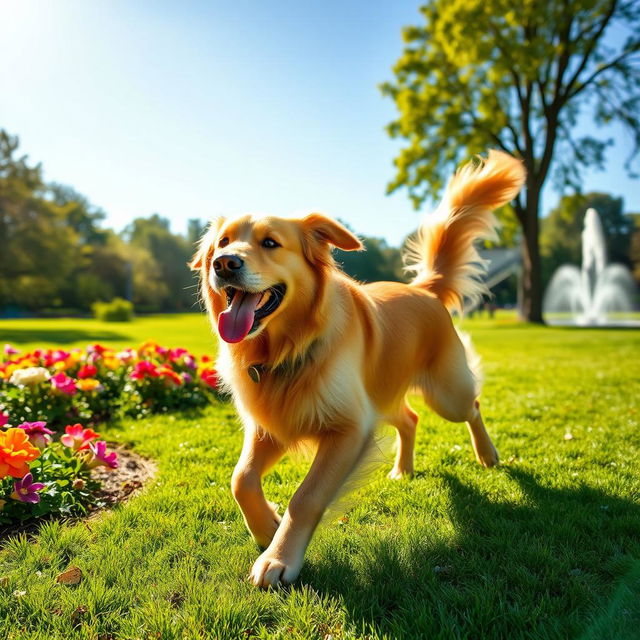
118,310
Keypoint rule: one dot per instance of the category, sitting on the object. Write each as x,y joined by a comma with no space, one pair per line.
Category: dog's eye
224,242
270,243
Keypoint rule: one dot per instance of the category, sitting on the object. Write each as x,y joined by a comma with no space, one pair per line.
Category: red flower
88,371
78,438
210,377
96,348
169,374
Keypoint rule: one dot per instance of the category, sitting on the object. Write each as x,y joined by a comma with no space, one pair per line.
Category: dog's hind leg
486,453
405,422
451,389
259,453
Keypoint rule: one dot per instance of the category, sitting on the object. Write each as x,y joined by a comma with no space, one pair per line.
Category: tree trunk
531,309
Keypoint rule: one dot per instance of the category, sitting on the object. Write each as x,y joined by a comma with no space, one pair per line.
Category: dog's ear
196,261
204,244
328,231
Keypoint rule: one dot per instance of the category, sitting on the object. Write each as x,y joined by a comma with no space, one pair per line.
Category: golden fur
337,357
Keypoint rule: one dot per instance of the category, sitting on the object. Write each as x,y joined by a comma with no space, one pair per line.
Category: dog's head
259,272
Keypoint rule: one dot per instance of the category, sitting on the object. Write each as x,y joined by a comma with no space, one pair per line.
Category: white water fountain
596,290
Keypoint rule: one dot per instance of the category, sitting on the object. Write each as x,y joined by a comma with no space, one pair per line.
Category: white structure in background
595,290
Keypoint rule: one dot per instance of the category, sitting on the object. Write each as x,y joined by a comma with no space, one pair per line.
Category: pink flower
4,419
9,350
126,355
25,489
59,355
96,348
144,368
39,435
78,438
101,456
64,384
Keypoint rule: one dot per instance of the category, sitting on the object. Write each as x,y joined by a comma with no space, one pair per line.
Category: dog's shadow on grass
548,566
58,336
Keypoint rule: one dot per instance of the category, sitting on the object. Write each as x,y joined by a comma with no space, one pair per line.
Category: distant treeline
56,257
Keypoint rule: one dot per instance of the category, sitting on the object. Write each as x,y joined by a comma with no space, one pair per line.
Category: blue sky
191,108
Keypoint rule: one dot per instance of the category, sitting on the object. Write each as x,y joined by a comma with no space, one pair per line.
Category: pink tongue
235,323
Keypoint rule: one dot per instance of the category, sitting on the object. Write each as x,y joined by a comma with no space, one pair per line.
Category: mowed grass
189,330
546,546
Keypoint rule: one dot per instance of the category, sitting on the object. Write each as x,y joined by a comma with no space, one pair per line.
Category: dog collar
257,370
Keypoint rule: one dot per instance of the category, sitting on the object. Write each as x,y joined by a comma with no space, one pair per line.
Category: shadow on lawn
58,336
545,568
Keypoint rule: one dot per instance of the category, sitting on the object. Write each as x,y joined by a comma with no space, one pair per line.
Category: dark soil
117,485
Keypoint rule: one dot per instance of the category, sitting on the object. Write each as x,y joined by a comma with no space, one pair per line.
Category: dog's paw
488,457
398,474
271,571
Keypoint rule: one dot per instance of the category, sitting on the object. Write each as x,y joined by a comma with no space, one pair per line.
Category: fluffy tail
443,256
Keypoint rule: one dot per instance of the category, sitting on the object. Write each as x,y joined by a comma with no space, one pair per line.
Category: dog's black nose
225,265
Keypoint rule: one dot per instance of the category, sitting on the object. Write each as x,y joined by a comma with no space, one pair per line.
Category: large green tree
378,262
37,249
515,75
159,258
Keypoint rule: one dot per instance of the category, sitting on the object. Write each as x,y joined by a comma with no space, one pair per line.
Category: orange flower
170,374
89,384
15,453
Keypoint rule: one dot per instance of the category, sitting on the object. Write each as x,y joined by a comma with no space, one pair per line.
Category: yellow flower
10,369
111,362
88,384
147,347
61,365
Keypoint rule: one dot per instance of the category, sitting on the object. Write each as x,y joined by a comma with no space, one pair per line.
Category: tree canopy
515,75
57,255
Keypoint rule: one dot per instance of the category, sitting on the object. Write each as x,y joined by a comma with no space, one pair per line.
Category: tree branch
567,95
514,134
529,152
605,67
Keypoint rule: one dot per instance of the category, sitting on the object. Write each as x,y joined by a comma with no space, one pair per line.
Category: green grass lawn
546,546
189,330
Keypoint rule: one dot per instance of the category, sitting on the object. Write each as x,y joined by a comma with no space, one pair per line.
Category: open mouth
246,309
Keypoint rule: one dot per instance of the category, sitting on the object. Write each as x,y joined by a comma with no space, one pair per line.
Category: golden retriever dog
312,356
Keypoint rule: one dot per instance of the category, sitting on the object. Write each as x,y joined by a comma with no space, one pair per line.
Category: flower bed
50,400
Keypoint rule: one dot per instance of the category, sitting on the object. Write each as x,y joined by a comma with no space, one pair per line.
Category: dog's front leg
336,457
259,453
